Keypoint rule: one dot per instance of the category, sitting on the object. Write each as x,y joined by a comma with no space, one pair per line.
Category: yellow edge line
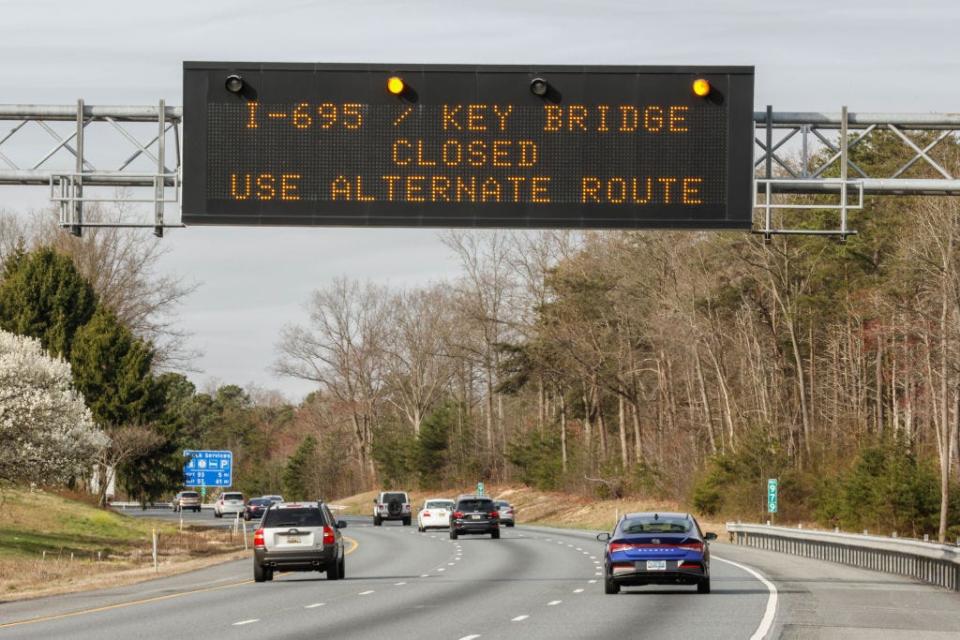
132,603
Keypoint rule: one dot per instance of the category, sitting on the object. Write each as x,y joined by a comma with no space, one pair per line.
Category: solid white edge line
771,611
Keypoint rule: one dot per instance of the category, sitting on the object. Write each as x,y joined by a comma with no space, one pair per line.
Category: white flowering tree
47,434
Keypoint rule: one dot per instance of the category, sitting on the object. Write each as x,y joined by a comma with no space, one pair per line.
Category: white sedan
231,503
435,514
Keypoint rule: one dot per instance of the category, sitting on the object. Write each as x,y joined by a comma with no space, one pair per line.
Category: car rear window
190,494
233,496
439,504
391,497
259,501
476,505
296,517
661,524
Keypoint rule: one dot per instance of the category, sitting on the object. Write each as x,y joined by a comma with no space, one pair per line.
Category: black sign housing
467,146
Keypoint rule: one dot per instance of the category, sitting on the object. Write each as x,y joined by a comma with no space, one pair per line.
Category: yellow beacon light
701,87
395,85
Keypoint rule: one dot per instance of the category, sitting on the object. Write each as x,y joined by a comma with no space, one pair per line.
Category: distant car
298,536
186,500
656,548
256,507
230,502
392,505
506,513
474,515
435,514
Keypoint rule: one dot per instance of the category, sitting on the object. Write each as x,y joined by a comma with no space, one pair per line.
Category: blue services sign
208,468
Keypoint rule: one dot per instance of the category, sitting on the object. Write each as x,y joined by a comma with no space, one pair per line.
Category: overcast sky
813,55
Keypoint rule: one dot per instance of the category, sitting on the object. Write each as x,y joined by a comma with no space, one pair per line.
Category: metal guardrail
937,564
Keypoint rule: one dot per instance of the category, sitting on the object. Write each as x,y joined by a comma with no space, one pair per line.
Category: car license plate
474,517
656,565
293,539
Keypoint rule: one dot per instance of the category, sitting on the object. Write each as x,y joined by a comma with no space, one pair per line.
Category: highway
534,583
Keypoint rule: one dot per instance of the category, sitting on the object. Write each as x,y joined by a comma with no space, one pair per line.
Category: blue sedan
656,548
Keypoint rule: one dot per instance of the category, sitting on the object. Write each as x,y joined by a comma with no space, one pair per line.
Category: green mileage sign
440,146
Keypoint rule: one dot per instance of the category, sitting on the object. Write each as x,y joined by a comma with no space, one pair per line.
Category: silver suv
298,536
391,505
186,500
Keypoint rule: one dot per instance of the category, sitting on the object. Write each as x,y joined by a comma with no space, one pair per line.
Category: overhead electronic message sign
467,146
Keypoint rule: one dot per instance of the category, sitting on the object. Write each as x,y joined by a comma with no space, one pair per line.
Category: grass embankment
551,509
51,544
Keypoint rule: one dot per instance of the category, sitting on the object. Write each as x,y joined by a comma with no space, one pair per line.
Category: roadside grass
546,508
49,543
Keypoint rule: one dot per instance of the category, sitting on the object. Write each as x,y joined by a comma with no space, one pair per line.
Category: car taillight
328,537
258,542
494,514
426,514
690,565
458,514
693,546
382,506
621,546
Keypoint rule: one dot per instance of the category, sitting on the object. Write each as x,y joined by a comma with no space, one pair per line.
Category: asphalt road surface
533,583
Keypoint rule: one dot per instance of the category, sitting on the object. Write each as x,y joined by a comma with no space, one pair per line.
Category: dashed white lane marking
425,575
578,590
314,605
442,569
242,622
399,584
591,582
449,564
554,603
771,611
598,574
519,618
473,637
366,593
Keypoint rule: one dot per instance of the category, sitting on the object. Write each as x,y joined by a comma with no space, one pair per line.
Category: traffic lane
216,610
228,573
534,586
734,609
486,584
827,600
204,517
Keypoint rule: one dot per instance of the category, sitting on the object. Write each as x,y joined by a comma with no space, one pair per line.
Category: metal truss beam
796,154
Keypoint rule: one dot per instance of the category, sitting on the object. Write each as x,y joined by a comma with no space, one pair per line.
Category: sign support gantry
140,173
795,154
821,145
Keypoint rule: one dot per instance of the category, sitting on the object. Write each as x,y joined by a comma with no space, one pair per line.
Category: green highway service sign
772,495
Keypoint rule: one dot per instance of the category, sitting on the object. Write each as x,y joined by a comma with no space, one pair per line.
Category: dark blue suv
656,548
